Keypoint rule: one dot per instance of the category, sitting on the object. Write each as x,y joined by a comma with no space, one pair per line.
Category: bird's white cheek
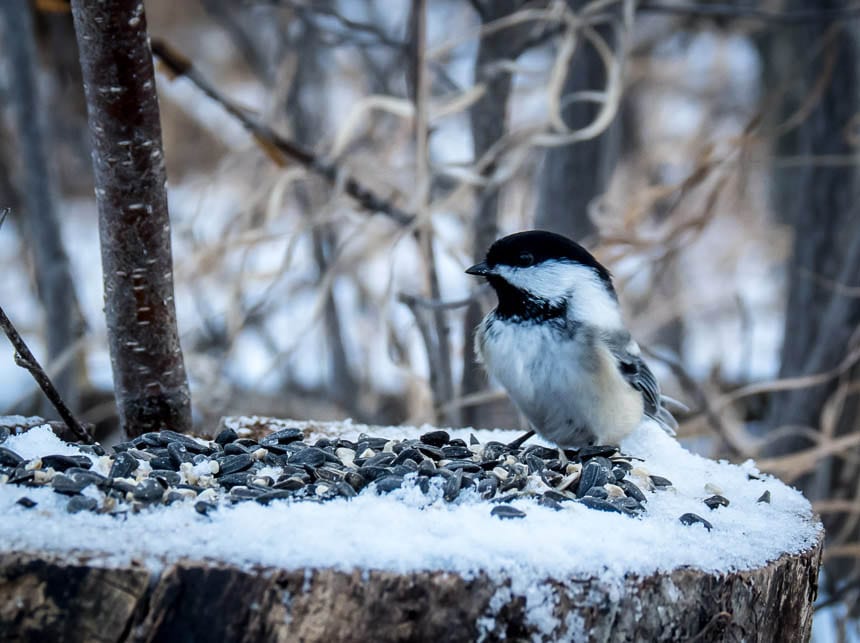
586,296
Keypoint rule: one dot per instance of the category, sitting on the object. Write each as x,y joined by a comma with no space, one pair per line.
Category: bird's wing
634,369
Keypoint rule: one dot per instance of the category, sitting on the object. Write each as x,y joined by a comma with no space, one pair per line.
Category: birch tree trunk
151,388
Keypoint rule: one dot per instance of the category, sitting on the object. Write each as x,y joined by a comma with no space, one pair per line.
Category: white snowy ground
405,531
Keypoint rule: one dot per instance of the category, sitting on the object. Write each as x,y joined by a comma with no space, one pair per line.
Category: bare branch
709,10
25,359
278,148
378,35
427,335
695,391
831,284
436,304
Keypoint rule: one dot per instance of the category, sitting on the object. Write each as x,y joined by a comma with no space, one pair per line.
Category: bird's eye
526,259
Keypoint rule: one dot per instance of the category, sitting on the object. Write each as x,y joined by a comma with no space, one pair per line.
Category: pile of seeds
167,467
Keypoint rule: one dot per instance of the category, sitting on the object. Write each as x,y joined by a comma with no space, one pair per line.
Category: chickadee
558,345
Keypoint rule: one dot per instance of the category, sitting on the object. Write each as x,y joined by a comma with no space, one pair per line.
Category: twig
799,17
426,331
838,594
24,358
692,388
374,31
437,304
835,286
789,383
546,34
277,147
376,35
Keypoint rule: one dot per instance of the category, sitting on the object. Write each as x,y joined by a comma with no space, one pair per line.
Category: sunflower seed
507,512
716,501
692,519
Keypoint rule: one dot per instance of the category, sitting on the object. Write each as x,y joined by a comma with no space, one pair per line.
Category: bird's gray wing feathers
634,369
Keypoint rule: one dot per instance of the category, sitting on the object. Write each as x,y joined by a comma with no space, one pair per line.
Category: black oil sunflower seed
9,458
692,519
81,503
600,505
388,483
660,482
507,512
716,501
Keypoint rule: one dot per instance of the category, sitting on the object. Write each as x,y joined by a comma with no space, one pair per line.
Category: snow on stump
297,531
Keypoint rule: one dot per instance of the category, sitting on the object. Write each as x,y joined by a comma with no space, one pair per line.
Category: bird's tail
665,418
671,401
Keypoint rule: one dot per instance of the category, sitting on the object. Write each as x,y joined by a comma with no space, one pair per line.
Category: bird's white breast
562,385
513,352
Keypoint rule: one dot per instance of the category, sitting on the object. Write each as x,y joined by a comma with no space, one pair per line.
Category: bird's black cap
533,247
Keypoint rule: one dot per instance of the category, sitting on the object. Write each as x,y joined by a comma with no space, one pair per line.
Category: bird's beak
479,270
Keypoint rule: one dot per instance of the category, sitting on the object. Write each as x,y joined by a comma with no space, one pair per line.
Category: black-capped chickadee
557,344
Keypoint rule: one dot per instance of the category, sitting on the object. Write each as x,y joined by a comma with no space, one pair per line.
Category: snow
39,441
425,533
407,531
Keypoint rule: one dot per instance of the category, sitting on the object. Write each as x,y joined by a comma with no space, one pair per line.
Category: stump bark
49,599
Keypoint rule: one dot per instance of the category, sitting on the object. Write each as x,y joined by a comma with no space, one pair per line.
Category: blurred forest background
707,153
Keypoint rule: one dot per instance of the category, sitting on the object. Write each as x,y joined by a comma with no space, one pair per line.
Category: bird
558,345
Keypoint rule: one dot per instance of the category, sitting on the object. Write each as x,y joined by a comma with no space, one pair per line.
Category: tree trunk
820,201
573,175
488,119
40,223
149,374
47,599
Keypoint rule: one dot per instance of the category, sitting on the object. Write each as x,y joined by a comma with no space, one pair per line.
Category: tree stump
49,599
382,570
